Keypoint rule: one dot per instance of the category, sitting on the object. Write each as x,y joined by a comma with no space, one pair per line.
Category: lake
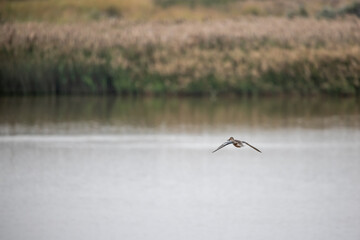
143,168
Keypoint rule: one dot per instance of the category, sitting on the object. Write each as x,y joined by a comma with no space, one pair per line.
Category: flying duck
236,143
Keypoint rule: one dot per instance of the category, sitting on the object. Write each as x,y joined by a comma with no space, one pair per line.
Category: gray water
142,168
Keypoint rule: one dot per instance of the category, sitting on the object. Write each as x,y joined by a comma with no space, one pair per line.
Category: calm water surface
142,168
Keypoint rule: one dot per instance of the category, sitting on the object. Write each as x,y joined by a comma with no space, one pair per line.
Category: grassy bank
247,56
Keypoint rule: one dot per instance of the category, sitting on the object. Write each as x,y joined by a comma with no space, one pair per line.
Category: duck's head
231,139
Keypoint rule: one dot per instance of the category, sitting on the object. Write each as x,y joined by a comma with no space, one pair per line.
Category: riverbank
255,55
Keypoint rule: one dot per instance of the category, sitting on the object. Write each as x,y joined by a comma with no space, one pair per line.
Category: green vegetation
350,9
192,3
300,12
248,56
93,10
179,47
353,9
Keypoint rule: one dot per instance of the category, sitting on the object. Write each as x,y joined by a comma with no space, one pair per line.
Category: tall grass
247,56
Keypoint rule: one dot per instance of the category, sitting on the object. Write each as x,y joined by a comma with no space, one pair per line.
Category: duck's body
236,143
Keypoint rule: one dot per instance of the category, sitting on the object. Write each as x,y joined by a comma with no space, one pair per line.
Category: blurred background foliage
85,10
180,47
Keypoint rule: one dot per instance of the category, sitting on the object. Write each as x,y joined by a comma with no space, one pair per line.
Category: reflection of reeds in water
43,114
255,55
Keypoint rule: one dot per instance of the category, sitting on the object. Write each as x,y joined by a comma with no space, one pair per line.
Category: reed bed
248,56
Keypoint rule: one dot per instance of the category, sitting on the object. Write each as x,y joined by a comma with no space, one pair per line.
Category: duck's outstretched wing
223,145
251,146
